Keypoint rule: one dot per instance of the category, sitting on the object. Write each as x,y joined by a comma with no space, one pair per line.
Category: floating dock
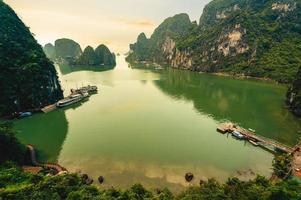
266,143
49,108
263,141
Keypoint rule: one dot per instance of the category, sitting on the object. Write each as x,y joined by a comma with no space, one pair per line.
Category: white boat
238,135
72,99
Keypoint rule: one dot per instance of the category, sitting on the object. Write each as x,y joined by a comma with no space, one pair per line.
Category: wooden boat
253,142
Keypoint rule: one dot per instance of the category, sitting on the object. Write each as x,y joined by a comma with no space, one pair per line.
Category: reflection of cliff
251,104
47,132
65,69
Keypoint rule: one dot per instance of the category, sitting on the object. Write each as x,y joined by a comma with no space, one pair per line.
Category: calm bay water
152,126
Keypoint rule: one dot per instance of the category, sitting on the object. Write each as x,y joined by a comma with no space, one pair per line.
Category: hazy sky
115,23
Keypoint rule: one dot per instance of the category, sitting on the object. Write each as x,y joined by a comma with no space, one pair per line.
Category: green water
153,126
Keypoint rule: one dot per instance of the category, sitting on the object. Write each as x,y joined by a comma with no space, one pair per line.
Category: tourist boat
252,130
85,89
253,142
238,135
72,99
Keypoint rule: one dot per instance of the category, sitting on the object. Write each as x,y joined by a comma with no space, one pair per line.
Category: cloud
137,23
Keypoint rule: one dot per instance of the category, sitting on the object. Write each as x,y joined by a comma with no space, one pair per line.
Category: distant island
69,52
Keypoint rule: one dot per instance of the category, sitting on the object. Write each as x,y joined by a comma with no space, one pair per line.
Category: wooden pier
264,142
248,135
49,108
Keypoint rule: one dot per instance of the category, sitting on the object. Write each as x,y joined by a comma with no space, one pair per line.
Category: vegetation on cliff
254,38
294,95
104,55
10,148
27,78
152,49
88,57
68,51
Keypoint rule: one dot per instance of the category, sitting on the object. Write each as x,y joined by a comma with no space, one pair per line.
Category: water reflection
47,132
252,104
67,69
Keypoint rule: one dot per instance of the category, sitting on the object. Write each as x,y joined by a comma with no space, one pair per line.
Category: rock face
255,38
294,95
88,57
67,49
101,56
104,56
49,50
28,79
69,52
160,45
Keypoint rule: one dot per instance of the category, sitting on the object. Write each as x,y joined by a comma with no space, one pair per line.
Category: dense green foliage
27,78
282,165
294,95
10,148
14,184
271,38
151,49
251,37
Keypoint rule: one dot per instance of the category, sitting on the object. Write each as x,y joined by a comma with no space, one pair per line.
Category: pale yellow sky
115,23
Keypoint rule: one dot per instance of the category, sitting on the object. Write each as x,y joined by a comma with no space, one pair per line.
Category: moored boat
253,142
72,99
238,135
85,89
25,114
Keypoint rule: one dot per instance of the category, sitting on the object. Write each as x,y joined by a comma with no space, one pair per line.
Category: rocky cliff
101,56
67,50
104,56
27,78
294,95
259,38
160,45
88,57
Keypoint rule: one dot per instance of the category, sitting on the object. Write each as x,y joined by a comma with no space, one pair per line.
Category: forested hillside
27,78
247,37
294,95
157,47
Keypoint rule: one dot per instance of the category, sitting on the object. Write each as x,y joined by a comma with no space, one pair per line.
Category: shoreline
222,74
